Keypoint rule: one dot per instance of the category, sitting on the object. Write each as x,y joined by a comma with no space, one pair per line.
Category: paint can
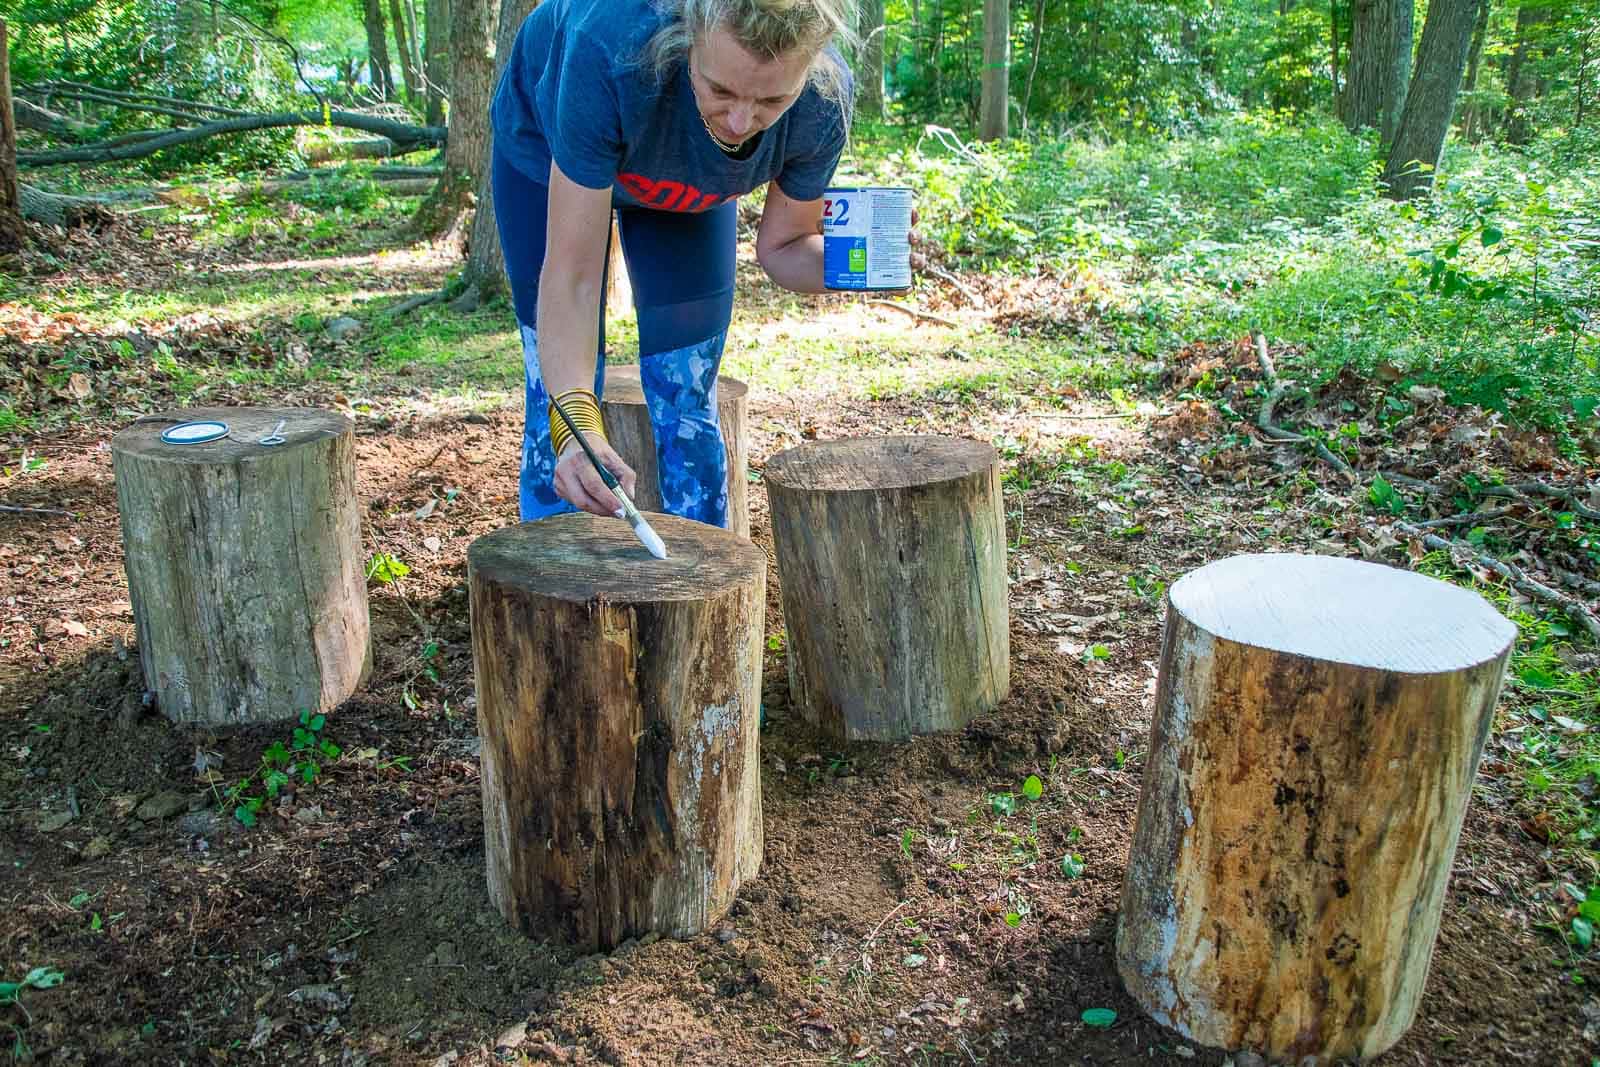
866,239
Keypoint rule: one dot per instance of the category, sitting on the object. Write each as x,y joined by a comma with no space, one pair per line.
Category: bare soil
352,924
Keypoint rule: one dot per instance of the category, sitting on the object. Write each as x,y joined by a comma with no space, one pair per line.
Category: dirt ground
352,925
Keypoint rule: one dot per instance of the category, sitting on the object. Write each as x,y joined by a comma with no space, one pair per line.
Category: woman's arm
789,241
570,287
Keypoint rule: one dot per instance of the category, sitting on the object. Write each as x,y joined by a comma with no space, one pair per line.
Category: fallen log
56,209
405,137
366,148
43,120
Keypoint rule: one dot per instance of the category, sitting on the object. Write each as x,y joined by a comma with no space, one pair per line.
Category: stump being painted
628,428
892,565
244,564
619,703
1317,727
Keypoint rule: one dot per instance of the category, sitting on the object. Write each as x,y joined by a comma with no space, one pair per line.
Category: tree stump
1317,727
619,704
244,564
892,566
628,429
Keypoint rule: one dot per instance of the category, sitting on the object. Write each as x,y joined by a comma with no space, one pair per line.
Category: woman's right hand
579,484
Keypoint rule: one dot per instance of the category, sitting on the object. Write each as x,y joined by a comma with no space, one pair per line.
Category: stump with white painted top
244,563
628,429
1318,724
891,561
619,703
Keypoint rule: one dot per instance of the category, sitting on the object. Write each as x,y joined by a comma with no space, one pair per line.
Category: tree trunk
628,428
619,703
869,68
891,555
436,66
1333,49
1380,58
244,564
1397,67
12,233
1580,91
1471,115
1033,63
466,156
402,45
365,148
378,50
484,276
1520,80
43,120
1317,728
1425,119
57,209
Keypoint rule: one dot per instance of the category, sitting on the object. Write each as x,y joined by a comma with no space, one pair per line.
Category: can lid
195,433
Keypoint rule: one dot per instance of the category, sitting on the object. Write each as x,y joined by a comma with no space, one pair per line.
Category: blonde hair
767,28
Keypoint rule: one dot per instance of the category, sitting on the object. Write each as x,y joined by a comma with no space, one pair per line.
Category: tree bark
1425,119
1333,48
436,62
474,61
57,209
1471,114
1317,728
244,564
869,68
12,232
149,143
378,50
1520,80
366,148
619,703
484,276
1397,67
993,108
1380,60
402,44
1580,91
628,428
43,120
891,556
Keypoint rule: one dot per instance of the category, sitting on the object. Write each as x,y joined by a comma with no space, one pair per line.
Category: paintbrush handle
600,468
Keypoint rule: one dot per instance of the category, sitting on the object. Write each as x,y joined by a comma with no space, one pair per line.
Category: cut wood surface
627,420
244,564
619,703
1318,725
891,563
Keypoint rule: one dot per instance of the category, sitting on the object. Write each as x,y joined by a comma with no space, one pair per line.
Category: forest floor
900,915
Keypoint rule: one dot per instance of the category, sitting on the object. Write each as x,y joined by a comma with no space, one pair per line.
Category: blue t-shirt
578,87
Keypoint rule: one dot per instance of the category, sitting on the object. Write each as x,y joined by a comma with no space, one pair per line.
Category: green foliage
385,569
299,762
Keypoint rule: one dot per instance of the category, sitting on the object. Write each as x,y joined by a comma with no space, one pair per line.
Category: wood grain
244,564
891,554
619,706
1318,725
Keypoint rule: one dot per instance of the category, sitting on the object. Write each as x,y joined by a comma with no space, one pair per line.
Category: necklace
719,142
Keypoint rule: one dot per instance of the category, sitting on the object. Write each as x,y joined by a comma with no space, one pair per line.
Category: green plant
11,993
280,764
385,569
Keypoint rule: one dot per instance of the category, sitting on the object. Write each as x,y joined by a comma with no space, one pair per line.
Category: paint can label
866,238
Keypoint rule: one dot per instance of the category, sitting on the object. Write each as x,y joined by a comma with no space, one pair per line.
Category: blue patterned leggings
681,267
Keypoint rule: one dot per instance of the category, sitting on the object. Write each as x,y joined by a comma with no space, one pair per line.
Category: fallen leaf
431,543
78,387
75,628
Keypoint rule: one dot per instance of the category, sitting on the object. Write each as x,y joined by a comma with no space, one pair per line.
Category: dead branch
13,509
965,290
1519,579
1466,518
43,120
916,313
1275,392
55,209
406,137
1523,490
73,90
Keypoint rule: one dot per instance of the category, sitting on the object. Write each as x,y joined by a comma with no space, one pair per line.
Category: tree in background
404,38
1380,65
994,105
466,154
377,50
1521,79
12,234
436,58
1425,119
869,64
484,275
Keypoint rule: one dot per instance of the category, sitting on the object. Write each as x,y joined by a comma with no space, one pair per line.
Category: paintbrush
641,529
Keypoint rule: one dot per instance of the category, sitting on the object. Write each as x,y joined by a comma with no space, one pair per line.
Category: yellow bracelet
583,408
